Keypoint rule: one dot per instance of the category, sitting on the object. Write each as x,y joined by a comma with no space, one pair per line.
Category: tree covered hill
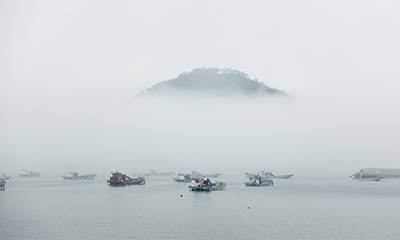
213,80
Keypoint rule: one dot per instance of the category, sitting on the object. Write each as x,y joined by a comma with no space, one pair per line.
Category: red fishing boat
120,179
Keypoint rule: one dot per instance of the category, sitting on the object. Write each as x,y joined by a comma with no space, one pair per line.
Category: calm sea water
299,208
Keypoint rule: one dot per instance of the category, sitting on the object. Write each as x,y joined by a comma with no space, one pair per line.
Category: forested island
212,80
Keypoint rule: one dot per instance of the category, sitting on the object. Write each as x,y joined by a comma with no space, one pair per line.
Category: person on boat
208,182
259,179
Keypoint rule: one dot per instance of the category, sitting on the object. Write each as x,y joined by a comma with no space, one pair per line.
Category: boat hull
182,180
252,184
282,176
214,187
25,175
159,174
212,175
368,179
85,177
125,183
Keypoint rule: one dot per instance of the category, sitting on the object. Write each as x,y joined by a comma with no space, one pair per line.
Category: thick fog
70,72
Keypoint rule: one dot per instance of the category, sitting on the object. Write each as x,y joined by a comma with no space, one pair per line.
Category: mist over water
68,77
204,132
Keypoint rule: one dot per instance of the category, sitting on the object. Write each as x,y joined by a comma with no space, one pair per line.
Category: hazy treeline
213,80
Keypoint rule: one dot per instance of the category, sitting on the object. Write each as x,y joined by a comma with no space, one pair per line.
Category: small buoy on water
181,195
248,207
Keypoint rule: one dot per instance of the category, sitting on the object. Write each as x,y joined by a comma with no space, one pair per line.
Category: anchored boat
376,179
188,177
152,172
268,175
120,179
209,175
183,177
206,185
75,176
259,182
26,173
4,177
375,173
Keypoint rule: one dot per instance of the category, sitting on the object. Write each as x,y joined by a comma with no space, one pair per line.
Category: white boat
188,177
4,177
268,175
209,175
377,173
282,176
75,176
206,185
368,179
152,172
26,173
212,175
183,177
259,182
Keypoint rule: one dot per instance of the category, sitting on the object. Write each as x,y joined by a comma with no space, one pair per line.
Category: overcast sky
69,70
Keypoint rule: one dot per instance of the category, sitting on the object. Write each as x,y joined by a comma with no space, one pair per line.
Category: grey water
298,208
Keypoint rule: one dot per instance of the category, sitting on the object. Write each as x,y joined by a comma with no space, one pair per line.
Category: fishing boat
75,176
259,182
5,177
212,175
282,176
209,175
377,173
152,172
26,173
268,175
183,177
2,184
367,177
376,179
120,179
206,185
188,177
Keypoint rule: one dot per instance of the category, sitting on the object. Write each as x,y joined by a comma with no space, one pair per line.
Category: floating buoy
248,207
181,195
